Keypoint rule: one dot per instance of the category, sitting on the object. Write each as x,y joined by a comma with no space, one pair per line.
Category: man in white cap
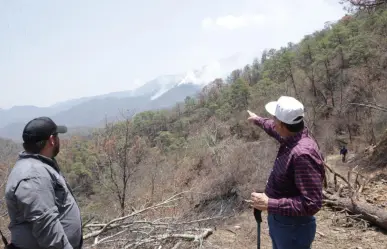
293,193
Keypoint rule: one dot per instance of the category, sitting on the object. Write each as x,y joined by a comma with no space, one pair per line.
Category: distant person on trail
42,209
293,193
343,152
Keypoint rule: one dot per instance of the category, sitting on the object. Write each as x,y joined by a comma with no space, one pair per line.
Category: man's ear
51,140
283,126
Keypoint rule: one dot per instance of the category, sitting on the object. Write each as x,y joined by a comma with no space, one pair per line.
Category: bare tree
156,158
8,155
120,153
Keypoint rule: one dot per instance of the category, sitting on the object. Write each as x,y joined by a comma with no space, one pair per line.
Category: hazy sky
51,51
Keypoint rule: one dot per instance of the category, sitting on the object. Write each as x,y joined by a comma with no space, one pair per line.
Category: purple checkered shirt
295,184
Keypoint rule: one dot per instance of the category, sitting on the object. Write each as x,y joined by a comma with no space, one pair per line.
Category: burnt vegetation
206,157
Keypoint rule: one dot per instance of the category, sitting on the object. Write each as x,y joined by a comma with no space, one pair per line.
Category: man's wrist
258,120
272,206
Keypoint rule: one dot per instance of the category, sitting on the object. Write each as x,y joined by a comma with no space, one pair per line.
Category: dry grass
240,233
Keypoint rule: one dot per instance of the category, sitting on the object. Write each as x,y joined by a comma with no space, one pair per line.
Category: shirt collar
50,161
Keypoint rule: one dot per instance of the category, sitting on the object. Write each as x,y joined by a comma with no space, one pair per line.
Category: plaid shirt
295,184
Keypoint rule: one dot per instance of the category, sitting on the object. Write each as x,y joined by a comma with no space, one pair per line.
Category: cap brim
61,129
271,107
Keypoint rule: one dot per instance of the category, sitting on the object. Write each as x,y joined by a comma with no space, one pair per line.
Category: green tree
239,96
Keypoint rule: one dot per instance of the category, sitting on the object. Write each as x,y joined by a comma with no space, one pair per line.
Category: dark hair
34,148
37,147
295,127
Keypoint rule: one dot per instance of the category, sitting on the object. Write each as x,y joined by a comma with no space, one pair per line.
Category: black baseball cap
40,129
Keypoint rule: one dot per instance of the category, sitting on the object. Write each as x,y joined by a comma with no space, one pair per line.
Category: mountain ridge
161,92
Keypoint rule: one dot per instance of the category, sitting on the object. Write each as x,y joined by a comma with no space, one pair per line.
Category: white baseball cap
286,109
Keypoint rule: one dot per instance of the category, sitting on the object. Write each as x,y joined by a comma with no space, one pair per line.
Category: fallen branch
366,181
115,225
132,231
347,198
375,215
177,245
108,226
336,174
108,238
373,106
189,237
87,222
321,234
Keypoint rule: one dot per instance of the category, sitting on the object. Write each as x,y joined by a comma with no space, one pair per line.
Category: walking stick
258,219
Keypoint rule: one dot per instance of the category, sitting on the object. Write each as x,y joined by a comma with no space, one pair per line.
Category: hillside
8,154
205,145
8,151
162,92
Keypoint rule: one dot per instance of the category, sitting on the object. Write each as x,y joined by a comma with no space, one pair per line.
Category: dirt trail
240,232
333,233
335,162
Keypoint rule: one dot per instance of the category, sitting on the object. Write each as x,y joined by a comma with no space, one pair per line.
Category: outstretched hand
252,115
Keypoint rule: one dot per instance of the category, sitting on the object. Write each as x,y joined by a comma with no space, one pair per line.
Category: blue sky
52,51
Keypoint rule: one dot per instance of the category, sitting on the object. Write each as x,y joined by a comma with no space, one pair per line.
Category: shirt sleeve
36,197
268,126
308,178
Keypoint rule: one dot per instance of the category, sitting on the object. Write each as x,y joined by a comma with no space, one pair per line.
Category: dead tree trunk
352,203
371,213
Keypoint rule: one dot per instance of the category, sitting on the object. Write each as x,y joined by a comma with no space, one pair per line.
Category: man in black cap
42,209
